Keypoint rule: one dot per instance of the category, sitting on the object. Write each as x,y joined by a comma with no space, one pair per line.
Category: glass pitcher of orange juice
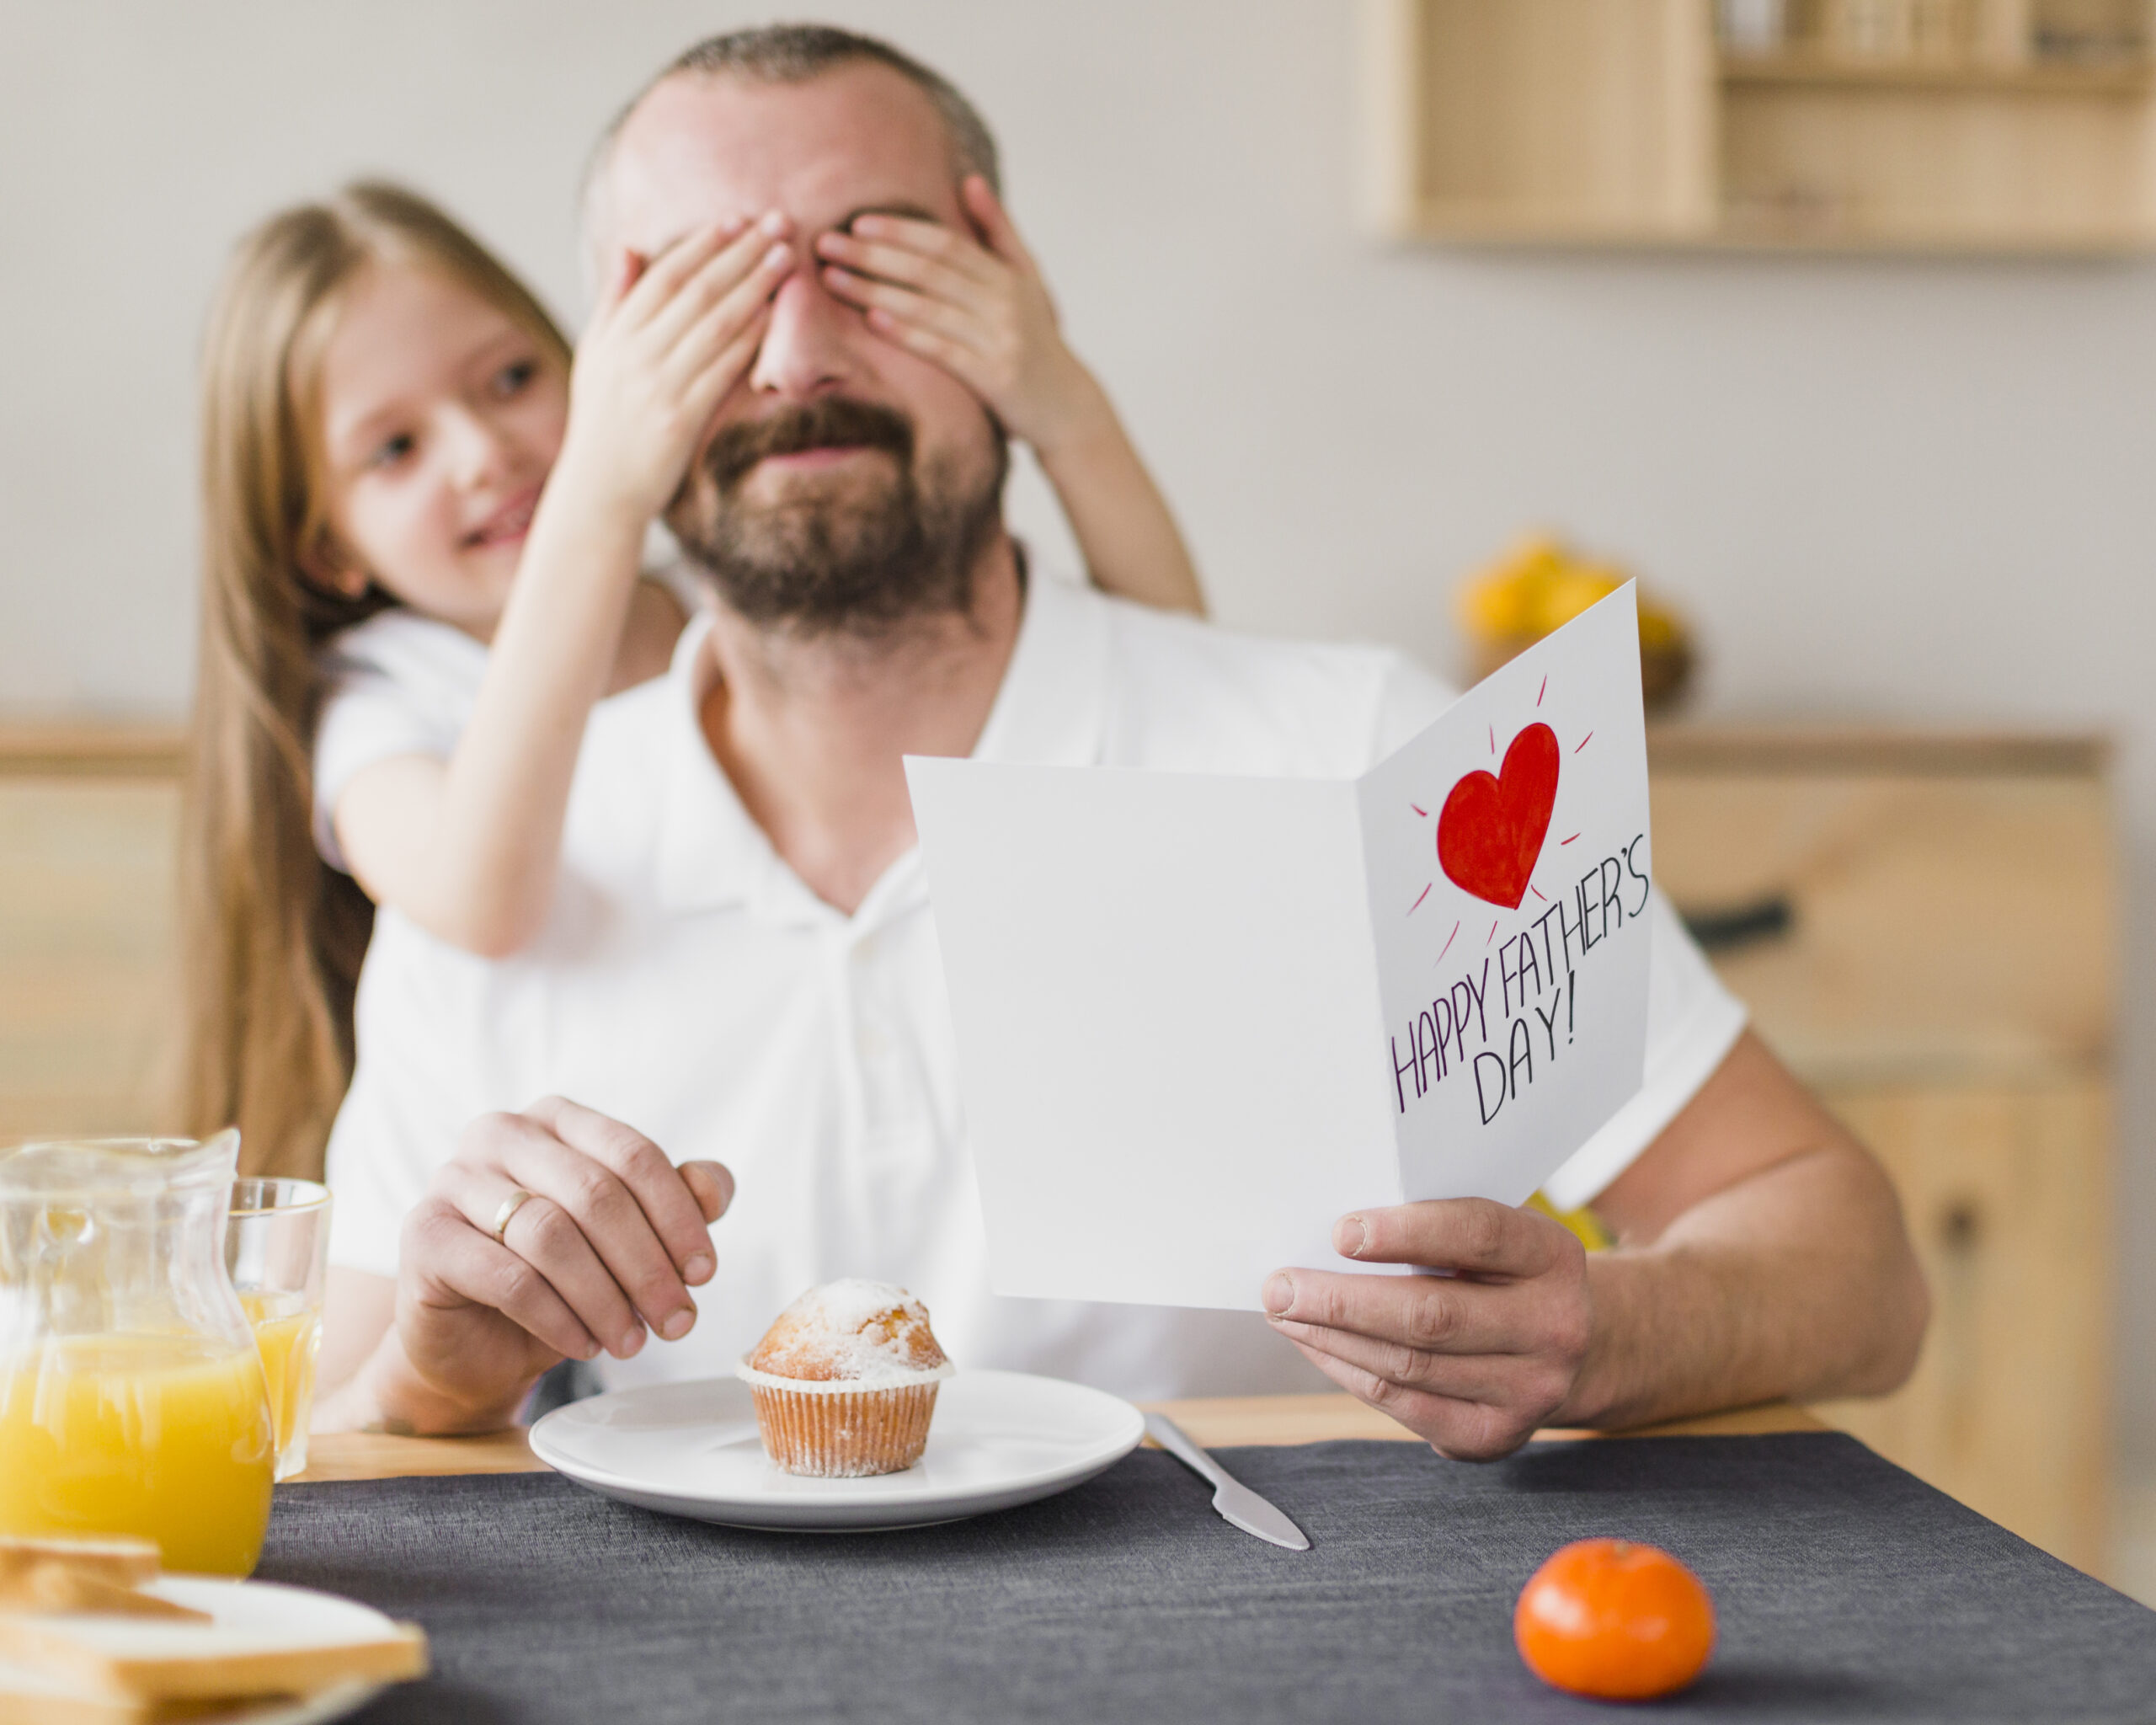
132,1398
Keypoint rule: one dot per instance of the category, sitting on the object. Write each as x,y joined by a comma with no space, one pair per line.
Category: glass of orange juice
277,1250
132,1397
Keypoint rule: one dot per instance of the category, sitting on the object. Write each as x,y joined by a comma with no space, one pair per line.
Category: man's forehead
700,148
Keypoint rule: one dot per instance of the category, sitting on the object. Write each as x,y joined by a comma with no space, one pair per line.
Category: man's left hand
1474,1361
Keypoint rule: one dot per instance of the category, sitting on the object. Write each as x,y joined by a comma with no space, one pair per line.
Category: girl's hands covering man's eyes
979,311
671,336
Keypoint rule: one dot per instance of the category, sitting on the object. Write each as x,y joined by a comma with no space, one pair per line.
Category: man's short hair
794,53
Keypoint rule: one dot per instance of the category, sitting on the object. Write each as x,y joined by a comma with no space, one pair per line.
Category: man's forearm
1797,1283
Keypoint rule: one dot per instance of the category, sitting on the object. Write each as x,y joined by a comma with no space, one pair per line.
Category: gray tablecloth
1846,1589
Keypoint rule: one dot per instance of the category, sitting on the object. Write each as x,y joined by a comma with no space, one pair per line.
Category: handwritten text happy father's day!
1529,965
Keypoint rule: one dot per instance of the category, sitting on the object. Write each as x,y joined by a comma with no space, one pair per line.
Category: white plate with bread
997,1440
90,1634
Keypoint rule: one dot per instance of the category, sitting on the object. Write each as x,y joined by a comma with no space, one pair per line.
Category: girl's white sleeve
397,685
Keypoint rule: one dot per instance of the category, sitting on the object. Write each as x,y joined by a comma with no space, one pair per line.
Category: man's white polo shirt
687,982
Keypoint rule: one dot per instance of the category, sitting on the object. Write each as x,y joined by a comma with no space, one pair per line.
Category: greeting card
1199,1016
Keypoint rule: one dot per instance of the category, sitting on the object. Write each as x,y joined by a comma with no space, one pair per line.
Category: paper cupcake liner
843,1435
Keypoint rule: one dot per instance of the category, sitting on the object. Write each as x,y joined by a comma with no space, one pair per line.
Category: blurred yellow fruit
1539,585
1567,592
1506,598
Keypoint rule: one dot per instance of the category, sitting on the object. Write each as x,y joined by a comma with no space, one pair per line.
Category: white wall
1904,489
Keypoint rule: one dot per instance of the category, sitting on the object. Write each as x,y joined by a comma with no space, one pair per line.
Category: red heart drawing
1490,835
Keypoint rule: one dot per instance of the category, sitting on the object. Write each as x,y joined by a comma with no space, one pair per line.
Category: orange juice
167,1437
288,1333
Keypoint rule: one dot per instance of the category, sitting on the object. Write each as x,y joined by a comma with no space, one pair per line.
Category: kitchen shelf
2126,77
1593,124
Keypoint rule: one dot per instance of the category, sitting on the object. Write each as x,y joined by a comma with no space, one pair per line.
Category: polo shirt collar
1052,710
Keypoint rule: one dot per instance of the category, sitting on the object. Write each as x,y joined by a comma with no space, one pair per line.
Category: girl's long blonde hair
272,937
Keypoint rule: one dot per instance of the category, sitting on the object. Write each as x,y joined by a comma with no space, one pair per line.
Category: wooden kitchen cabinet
2007,1189
89,993
2005,126
1935,933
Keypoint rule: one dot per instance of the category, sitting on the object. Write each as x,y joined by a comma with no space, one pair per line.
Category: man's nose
806,348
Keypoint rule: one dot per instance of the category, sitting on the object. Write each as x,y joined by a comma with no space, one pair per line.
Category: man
742,961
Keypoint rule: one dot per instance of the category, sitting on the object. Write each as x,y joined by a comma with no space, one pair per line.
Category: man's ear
331,570
983,212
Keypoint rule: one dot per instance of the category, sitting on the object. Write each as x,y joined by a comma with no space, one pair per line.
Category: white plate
999,1438
249,1606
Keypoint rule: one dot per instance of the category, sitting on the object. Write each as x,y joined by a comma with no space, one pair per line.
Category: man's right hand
607,1247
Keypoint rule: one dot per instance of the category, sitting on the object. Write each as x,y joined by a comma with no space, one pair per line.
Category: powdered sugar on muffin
867,1334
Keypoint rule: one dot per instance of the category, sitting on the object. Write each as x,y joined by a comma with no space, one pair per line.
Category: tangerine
1615,1621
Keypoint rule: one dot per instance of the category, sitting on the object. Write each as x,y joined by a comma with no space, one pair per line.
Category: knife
1238,1504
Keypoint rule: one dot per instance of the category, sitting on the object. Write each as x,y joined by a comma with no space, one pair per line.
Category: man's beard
862,556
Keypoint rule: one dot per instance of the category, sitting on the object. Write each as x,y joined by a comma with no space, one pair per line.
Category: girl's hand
981,311
672,334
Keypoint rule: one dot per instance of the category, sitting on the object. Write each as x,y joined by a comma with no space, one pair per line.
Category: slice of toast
83,1575
32,1698
56,1587
152,1659
122,1562
29,1697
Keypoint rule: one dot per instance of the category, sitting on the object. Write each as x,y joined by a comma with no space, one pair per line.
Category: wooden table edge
1217,1421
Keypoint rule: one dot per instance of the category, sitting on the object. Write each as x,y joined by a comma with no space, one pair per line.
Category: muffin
844,1382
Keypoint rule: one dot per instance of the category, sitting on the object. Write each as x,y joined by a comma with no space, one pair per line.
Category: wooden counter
1215,1422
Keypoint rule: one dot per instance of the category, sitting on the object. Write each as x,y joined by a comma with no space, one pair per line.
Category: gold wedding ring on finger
508,1208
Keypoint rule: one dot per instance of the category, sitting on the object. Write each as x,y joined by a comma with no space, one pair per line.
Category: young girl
423,546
